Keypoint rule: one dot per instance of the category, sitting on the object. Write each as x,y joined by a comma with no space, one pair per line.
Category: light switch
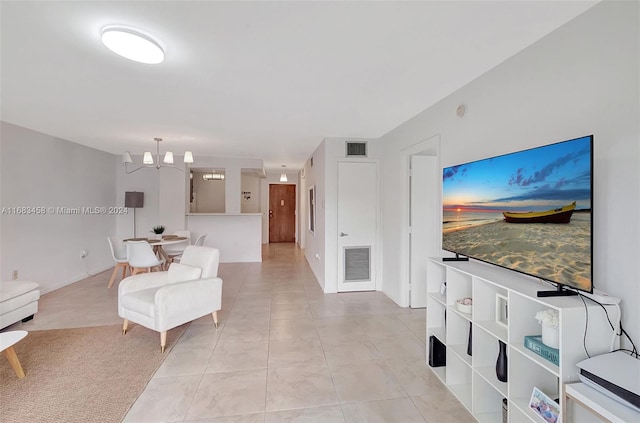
282,202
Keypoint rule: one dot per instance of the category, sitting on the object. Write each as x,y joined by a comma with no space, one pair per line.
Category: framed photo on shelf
502,315
544,407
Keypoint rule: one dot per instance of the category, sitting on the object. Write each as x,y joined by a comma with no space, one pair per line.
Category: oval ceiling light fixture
132,44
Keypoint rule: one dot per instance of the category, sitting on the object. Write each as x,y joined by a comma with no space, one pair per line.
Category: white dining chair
176,250
200,240
119,255
141,257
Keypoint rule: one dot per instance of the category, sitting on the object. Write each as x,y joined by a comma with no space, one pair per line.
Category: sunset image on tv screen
528,211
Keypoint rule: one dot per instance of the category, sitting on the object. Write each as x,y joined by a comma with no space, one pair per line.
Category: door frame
424,198
432,146
376,254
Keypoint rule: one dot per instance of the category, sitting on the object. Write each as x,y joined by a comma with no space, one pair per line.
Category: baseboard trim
73,279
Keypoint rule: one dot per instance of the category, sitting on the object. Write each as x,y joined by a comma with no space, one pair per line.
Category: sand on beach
555,252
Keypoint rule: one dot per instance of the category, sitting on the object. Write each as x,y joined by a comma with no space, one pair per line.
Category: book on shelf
534,343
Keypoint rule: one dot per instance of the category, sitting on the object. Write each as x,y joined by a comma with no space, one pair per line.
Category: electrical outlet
15,274
83,253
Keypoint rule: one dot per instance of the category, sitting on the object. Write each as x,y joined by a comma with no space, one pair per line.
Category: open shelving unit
472,378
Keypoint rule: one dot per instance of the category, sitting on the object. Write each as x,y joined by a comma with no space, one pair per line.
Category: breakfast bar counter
238,236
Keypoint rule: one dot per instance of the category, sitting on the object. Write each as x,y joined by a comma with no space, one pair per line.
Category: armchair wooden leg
215,318
125,324
163,340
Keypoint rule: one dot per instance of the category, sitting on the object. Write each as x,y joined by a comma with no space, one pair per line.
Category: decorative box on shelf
534,343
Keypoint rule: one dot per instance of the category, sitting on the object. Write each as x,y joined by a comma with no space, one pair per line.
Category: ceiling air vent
356,149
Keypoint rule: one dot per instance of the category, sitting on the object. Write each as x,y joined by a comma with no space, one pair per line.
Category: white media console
472,379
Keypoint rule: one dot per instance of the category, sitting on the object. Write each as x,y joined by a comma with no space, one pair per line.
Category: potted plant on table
158,231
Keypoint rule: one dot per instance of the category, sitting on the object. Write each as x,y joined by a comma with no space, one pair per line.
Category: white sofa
18,301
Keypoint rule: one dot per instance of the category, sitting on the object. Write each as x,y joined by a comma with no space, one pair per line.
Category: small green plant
158,229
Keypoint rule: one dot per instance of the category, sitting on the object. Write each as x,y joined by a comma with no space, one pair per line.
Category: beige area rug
92,374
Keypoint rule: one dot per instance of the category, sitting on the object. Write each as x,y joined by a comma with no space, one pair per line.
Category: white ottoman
18,301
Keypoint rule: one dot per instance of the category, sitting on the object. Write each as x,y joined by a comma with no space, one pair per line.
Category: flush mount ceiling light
283,176
133,44
147,159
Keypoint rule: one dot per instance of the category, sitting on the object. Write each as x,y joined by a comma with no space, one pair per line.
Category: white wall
581,79
39,170
314,242
250,183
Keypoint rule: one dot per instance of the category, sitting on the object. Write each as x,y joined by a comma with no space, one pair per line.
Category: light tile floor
284,352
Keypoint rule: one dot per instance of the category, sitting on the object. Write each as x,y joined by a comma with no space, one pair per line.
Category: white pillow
182,273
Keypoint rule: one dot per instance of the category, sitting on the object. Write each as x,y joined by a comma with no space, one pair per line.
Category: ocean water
454,220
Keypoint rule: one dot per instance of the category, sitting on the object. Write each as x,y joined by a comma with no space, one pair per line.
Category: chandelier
148,162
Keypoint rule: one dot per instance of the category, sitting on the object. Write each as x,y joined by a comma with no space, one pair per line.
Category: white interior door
357,225
424,230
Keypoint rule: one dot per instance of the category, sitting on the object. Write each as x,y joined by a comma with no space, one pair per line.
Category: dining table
158,243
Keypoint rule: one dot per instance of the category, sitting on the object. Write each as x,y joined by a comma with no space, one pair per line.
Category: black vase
469,341
501,363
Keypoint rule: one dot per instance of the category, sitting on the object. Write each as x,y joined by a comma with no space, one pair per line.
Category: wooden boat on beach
559,215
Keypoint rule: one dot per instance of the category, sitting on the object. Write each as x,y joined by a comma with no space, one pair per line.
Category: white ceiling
264,80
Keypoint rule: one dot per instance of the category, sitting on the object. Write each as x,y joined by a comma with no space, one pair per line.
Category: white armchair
164,300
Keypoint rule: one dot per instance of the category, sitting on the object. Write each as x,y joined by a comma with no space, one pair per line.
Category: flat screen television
528,211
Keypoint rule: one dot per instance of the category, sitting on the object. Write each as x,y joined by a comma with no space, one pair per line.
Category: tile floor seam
333,382
191,400
417,408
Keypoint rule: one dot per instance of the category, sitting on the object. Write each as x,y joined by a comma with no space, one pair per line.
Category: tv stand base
456,258
559,292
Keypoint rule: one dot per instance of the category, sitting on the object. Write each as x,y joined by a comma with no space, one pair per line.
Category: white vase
550,336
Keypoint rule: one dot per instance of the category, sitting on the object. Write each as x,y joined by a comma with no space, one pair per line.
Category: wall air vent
357,264
356,149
